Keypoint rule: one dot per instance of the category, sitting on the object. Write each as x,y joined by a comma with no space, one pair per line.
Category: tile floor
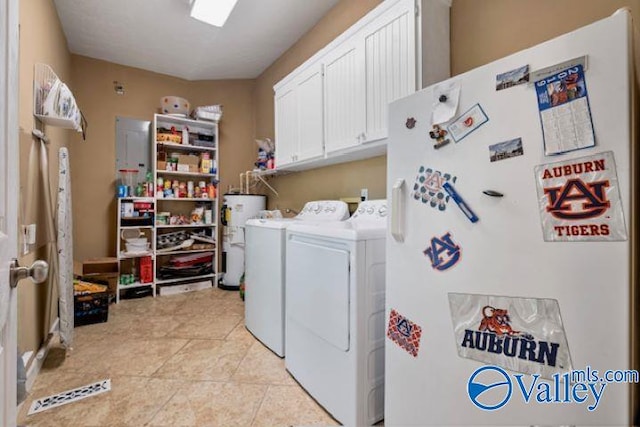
182,360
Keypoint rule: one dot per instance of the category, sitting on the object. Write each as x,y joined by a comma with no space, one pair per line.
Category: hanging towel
65,250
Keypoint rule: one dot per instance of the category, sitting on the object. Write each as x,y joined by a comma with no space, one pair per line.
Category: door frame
9,50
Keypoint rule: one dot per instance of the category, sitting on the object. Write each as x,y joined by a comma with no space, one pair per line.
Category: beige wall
343,180
486,30
93,160
41,40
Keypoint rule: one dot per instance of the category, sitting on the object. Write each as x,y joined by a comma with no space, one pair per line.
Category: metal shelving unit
195,127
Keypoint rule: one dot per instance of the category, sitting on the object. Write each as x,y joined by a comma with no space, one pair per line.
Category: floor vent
69,396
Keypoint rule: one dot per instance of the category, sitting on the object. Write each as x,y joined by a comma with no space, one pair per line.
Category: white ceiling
160,36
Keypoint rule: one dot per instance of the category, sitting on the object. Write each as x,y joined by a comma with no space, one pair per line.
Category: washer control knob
382,211
370,210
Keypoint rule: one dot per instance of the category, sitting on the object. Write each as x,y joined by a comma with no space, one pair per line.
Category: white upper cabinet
286,112
390,64
309,88
333,108
344,97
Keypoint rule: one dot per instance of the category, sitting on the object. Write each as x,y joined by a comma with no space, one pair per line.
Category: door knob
38,272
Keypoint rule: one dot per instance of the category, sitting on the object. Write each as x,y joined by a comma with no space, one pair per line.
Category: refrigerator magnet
565,114
467,123
466,210
445,101
443,252
404,333
493,193
439,135
512,78
506,150
410,123
579,200
520,334
428,187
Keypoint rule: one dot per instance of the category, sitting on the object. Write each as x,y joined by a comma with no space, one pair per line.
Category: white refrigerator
511,249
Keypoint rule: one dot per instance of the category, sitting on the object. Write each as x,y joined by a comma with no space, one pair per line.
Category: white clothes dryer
335,274
265,269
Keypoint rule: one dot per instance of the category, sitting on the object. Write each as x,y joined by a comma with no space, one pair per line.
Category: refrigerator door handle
397,211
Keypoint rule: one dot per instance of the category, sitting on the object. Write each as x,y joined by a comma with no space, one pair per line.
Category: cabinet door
286,112
390,64
344,96
310,113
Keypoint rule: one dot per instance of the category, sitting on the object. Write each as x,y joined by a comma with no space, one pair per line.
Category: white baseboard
41,355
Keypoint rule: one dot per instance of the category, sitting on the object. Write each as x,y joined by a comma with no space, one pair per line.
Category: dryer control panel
324,210
371,210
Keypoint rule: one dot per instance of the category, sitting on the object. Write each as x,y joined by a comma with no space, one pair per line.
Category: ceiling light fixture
212,12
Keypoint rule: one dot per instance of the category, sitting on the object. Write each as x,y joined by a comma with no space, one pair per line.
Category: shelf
130,227
184,279
183,147
134,285
53,102
185,251
178,120
186,226
138,199
194,174
124,255
266,172
185,199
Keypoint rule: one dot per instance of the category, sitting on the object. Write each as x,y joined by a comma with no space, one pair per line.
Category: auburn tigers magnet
579,200
404,332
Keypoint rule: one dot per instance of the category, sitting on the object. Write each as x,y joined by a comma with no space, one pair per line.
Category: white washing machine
265,268
335,293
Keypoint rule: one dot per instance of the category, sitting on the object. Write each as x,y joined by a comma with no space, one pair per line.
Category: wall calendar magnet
564,112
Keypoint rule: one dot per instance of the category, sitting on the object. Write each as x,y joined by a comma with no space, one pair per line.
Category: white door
344,96
390,64
310,110
8,205
286,125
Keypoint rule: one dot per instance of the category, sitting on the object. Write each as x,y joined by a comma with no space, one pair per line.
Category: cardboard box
103,271
188,163
96,266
